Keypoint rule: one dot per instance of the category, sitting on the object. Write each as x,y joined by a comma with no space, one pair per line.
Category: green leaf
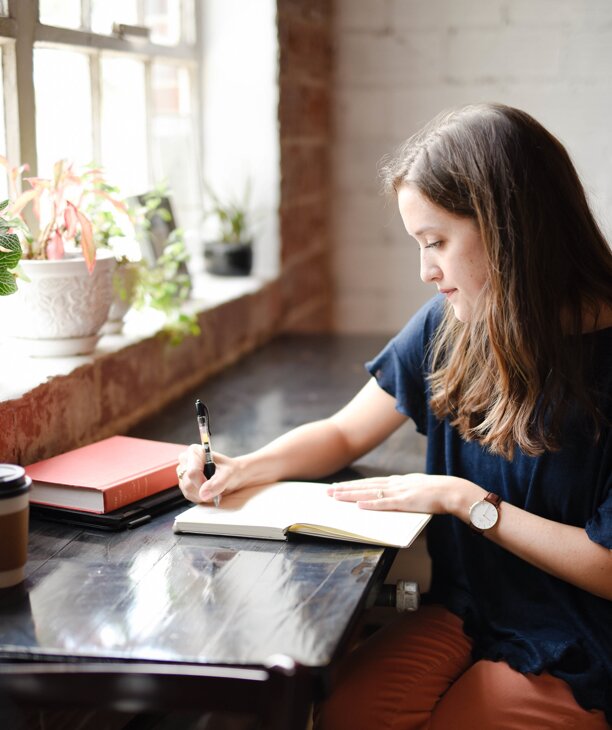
8,285
10,251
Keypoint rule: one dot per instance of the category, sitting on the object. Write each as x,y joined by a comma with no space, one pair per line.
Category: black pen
204,428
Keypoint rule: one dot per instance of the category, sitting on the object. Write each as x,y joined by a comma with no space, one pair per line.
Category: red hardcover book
105,475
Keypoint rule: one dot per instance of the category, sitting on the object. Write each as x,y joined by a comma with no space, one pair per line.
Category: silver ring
380,494
180,473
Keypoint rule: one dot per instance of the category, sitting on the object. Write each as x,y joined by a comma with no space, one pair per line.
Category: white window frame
22,30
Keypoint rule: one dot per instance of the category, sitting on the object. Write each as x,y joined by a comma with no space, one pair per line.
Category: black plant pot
228,259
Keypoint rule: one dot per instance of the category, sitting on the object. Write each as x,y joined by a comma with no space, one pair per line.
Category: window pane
65,13
63,128
171,91
106,12
164,19
3,7
3,178
124,124
174,142
189,22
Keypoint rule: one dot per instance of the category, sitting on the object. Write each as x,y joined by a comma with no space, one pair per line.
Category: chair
277,694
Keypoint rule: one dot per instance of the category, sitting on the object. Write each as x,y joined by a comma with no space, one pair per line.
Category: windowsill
51,405
22,374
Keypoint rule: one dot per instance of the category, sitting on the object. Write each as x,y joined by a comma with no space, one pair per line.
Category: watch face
483,515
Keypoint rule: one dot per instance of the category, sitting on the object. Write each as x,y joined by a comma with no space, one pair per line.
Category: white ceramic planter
61,310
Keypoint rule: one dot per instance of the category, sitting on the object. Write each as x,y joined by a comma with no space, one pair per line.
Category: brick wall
305,137
398,63
114,389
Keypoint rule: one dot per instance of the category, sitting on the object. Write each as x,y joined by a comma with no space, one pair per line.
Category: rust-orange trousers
418,673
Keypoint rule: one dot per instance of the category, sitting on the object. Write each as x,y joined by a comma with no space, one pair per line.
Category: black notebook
125,518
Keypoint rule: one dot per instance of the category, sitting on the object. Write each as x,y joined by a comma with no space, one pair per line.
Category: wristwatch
485,513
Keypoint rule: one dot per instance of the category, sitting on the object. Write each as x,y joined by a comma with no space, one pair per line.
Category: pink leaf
20,203
118,204
70,220
38,183
55,247
87,241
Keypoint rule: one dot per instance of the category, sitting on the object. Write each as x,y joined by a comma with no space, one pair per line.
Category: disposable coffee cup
14,513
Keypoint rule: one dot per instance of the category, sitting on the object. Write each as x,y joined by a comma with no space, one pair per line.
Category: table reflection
196,598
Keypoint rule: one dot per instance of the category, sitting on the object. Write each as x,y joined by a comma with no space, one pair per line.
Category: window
118,82
107,81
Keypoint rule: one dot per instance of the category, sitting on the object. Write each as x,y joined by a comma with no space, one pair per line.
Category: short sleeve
599,527
401,367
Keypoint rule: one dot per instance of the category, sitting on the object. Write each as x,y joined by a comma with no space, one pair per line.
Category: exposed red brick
308,280
312,318
304,227
129,378
304,31
8,433
58,415
305,48
304,110
305,171
318,10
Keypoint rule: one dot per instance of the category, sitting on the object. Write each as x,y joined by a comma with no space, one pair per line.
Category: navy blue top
512,610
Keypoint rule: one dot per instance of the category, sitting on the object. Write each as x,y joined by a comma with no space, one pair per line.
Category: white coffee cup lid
13,480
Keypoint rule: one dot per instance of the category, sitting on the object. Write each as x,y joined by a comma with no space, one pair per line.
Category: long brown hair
512,374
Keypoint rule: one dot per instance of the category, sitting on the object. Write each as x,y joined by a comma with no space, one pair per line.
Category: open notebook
274,510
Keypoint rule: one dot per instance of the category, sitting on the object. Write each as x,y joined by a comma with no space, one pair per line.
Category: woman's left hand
431,493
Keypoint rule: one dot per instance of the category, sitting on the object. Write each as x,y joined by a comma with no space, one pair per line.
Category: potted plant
10,255
115,229
158,281
230,250
62,306
164,288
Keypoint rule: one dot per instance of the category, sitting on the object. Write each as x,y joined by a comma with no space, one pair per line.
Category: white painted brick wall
400,62
413,15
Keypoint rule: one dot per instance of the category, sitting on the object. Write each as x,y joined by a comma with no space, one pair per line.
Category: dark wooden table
148,595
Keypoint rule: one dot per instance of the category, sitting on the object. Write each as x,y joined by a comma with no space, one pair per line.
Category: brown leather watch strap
495,499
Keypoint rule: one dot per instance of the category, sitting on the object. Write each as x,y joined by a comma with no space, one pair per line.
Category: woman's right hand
194,484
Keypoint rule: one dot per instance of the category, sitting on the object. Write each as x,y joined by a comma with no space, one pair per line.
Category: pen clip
203,416
207,421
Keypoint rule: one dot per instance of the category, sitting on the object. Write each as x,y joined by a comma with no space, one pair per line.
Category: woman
508,372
